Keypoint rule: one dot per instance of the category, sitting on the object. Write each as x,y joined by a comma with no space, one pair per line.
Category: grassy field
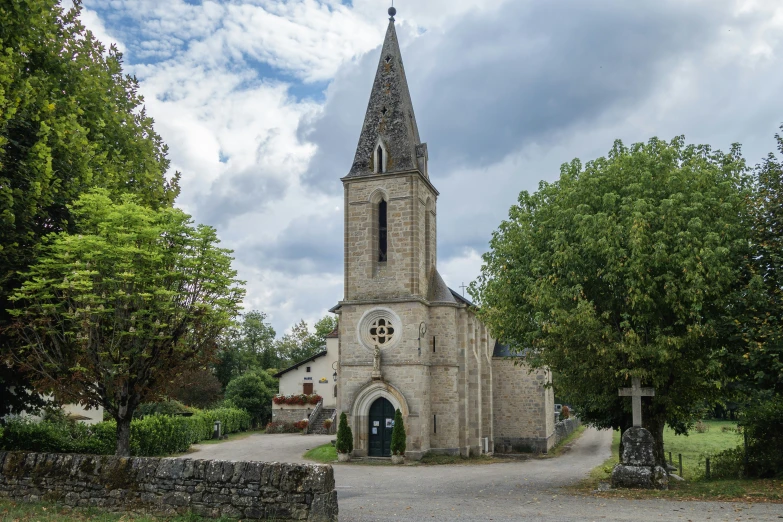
21,512
694,447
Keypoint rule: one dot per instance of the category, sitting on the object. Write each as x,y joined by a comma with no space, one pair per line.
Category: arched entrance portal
380,429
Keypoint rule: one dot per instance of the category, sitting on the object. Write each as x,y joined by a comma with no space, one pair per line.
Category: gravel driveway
259,447
500,492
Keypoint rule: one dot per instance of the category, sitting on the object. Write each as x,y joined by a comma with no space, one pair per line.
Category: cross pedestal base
638,469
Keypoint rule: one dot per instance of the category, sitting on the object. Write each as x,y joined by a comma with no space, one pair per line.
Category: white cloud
209,72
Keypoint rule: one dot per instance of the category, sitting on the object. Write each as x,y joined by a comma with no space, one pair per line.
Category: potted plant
344,439
398,439
328,425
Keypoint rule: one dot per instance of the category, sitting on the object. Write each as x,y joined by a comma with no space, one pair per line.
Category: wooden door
307,388
381,420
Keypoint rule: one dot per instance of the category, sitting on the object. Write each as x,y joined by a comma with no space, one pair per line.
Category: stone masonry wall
291,414
247,490
520,404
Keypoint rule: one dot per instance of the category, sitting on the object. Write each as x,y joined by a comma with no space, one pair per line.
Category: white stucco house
316,375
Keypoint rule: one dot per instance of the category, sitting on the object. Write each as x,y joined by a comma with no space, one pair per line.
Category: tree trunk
655,425
123,437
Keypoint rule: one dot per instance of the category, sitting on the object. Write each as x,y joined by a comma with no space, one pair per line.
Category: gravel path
500,492
259,447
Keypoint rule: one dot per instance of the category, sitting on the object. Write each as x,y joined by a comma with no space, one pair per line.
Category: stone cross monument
637,468
637,392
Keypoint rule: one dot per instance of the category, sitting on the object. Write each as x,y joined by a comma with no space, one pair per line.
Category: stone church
406,340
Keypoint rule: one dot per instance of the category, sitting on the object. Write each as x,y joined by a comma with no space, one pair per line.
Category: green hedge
151,436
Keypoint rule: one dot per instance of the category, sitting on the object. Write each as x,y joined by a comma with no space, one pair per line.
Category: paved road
264,448
499,492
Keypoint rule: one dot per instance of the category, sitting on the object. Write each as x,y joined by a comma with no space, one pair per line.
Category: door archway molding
360,411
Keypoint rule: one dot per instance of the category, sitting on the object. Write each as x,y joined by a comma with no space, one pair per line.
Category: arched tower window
382,223
379,154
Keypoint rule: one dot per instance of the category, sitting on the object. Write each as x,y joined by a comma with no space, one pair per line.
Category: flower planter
343,457
398,459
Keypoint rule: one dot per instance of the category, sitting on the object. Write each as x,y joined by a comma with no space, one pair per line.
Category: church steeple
389,141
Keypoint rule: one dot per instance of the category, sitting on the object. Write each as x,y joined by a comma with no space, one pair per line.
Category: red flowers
300,400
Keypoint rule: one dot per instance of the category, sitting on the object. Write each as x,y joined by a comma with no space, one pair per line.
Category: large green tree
69,120
112,314
301,343
249,345
626,267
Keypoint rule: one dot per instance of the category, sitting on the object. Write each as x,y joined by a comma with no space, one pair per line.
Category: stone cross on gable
637,392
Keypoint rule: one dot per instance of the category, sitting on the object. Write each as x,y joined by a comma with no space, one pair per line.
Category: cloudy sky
261,103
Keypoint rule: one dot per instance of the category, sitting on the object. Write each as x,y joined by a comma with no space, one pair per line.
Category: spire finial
392,12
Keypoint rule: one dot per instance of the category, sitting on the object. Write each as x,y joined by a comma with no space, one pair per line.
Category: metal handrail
314,415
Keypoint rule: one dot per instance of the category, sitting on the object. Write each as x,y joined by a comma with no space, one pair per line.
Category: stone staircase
317,426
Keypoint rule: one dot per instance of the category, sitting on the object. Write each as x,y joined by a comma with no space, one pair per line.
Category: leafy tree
625,268
301,344
257,342
344,442
398,435
110,315
250,392
759,365
198,388
248,345
69,120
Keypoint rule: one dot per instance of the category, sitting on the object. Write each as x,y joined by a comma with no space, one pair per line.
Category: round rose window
379,327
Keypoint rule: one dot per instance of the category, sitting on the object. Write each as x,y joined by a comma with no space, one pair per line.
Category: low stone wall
565,428
291,415
247,490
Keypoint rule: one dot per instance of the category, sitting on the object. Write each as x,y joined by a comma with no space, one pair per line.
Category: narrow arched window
382,239
380,159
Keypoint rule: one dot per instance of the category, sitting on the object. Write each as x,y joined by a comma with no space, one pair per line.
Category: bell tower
390,203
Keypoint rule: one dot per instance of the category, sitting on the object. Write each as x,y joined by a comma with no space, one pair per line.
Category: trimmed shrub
154,435
167,407
398,435
344,436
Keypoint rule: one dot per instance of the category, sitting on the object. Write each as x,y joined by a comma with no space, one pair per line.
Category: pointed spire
389,124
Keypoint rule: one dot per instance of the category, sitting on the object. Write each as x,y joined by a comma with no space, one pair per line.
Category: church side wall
521,406
445,371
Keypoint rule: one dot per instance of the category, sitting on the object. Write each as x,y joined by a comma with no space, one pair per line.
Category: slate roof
438,291
389,116
300,363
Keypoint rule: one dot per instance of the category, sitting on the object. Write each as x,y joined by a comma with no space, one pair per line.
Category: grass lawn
43,512
325,454
693,447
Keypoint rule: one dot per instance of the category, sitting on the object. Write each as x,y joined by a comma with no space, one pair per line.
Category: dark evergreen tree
344,436
398,435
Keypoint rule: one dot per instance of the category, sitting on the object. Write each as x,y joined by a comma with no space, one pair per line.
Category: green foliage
167,407
251,393
111,315
763,427
301,344
344,436
70,120
154,435
398,435
728,464
198,388
626,267
248,345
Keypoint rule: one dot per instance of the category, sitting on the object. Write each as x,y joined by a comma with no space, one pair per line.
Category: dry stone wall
246,490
